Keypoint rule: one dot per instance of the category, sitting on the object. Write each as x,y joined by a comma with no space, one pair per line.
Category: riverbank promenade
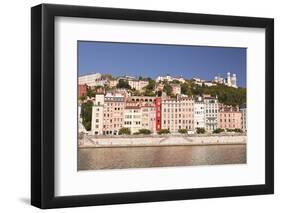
89,141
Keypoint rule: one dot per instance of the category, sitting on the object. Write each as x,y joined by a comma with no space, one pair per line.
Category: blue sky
149,60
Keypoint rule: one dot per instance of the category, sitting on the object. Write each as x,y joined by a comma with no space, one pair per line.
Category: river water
145,157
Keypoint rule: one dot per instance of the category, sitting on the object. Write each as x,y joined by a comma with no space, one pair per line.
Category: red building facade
82,90
158,113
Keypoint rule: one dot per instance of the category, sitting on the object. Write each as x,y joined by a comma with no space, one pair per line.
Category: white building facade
149,117
199,113
91,79
211,113
133,118
230,80
243,110
97,115
137,84
169,79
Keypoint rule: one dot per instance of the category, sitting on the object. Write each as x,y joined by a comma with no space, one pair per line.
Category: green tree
86,114
124,131
226,95
149,93
168,89
151,85
149,90
107,76
175,81
159,93
91,93
82,98
123,84
186,89
136,92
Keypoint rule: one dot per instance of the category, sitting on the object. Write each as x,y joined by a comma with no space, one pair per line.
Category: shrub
182,131
124,131
144,131
163,131
238,130
219,130
234,130
200,130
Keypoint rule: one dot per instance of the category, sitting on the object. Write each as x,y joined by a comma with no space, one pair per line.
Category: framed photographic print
139,106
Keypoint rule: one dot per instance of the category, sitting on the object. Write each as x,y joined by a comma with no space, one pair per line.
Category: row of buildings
97,79
111,112
230,81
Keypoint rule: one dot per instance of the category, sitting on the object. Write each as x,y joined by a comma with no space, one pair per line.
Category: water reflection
144,157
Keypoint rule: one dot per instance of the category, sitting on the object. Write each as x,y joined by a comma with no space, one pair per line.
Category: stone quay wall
160,140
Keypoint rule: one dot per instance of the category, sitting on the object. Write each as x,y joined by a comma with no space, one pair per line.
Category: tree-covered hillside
226,95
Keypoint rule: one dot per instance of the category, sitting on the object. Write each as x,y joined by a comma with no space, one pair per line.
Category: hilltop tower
228,80
234,80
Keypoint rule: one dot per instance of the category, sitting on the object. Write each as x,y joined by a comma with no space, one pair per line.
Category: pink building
229,117
177,114
147,106
113,113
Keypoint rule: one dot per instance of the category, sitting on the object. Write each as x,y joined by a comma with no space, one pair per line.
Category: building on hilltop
112,83
209,83
198,81
176,89
137,84
90,79
230,81
141,100
169,79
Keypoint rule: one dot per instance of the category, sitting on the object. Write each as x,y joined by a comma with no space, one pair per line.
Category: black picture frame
43,102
